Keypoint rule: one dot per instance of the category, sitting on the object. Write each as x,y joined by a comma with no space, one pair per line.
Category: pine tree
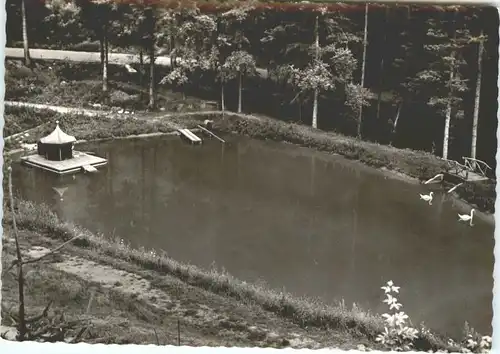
442,83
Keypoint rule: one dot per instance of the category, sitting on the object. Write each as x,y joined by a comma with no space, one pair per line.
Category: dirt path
217,317
58,109
92,57
151,117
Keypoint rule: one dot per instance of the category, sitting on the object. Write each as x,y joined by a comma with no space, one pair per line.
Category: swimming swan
465,217
427,197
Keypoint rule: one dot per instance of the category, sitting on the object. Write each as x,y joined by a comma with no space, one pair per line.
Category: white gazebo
57,146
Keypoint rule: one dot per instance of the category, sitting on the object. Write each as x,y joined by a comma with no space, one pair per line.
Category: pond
310,222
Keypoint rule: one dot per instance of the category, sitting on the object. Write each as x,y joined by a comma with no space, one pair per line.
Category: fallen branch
90,301
156,335
33,260
79,334
209,132
44,313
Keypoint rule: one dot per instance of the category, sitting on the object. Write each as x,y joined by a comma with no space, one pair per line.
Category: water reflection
312,223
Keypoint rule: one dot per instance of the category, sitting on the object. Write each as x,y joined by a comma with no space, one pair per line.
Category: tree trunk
141,68
223,106
104,55
316,38
152,98
396,120
27,59
381,71
315,110
363,66
171,42
315,101
447,121
477,99
152,101
239,92
101,50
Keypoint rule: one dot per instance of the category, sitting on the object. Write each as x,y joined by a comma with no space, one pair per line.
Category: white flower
400,318
390,300
471,343
389,319
386,289
486,340
395,305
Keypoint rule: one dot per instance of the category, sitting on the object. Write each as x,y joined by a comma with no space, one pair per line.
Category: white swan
427,197
466,217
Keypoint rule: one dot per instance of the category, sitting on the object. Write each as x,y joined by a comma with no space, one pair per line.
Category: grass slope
323,324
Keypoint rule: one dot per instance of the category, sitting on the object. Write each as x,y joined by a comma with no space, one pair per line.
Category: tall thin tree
316,58
363,67
151,18
477,97
27,59
104,57
382,55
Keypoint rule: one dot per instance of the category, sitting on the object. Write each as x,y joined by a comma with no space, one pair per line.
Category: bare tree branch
44,313
33,260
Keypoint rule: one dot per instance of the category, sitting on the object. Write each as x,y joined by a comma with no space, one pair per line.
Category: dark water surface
310,222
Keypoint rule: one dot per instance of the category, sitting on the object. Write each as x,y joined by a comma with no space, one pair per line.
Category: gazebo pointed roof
58,137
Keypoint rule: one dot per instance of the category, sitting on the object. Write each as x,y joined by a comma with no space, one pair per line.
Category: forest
418,77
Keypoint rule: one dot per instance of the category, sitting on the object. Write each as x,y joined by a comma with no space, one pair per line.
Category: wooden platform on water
470,176
472,170
463,176
80,161
189,135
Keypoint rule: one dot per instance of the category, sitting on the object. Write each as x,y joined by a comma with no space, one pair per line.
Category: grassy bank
317,319
122,303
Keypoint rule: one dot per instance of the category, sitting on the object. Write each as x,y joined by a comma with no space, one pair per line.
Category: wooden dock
189,135
472,170
80,161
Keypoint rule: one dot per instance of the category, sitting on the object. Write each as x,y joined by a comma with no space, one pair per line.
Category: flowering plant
474,342
397,334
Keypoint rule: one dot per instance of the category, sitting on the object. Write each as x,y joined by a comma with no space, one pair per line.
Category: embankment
318,320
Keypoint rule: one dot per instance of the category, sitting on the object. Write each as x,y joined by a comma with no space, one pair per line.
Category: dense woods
411,76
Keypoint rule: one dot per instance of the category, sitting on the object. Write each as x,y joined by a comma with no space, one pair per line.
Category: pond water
312,223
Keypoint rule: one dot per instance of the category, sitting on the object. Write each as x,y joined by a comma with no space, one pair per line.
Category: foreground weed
473,342
397,334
